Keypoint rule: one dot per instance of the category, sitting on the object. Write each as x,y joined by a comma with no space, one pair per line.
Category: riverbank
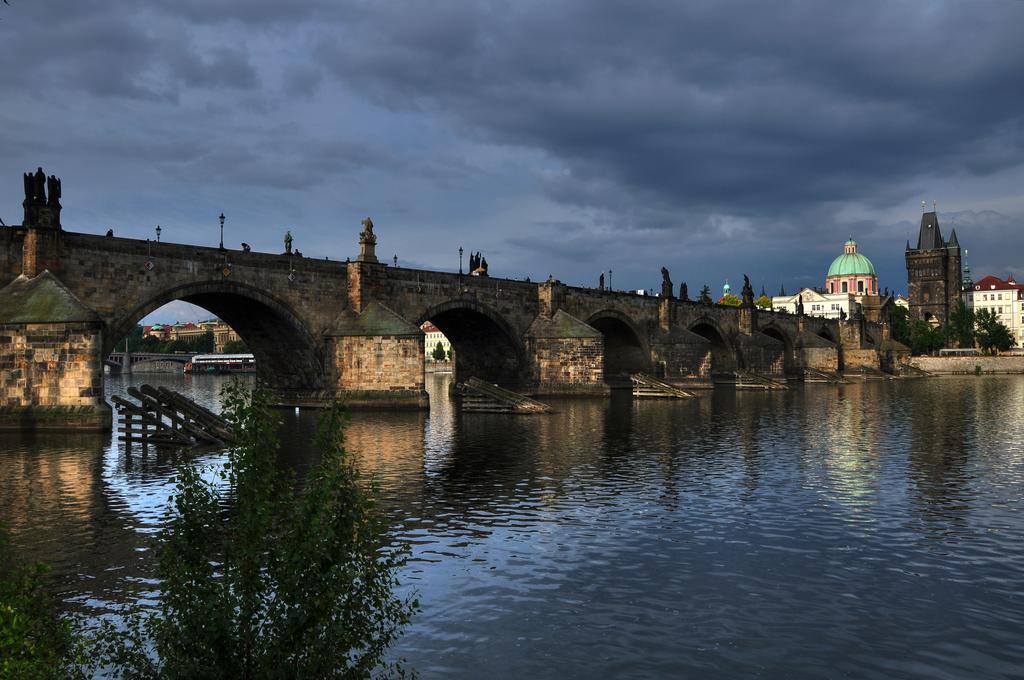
1005,365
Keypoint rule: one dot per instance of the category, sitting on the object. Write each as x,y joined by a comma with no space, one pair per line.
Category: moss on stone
42,299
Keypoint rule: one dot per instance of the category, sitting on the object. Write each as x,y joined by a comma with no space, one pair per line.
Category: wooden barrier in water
813,375
164,417
483,397
749,380
649,387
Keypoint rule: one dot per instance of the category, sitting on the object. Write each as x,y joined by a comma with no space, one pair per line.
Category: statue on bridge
53,189
600,281
684,294
367,235
800,305
288,242
666,284
747,292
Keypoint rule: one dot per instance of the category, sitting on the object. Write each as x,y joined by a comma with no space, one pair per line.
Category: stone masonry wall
566,365
682,361
380,364
50,364
969,365
855,358
821,358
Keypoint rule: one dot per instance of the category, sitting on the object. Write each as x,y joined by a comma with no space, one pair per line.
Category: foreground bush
260,579
34,641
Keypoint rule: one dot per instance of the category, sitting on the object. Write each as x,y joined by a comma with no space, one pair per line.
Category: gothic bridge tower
934,278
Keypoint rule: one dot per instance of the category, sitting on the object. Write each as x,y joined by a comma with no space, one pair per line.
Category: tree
992,335
960,330
260,579
899,320
34,641
764,302
730,300
926,338
235,347
439,352
705,296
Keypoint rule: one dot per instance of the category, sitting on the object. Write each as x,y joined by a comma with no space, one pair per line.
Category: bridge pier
51,372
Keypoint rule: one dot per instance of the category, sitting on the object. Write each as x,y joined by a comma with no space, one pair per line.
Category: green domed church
851,272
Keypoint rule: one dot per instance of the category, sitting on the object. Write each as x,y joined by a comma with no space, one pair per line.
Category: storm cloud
564,138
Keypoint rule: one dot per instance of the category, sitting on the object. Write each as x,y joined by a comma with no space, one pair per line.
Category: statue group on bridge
477,264
38,185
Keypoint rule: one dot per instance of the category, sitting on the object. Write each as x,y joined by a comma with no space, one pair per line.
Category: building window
845,289
860,286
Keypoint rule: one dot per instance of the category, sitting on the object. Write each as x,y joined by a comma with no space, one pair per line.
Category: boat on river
221,363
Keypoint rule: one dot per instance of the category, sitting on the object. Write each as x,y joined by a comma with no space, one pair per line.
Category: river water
869,530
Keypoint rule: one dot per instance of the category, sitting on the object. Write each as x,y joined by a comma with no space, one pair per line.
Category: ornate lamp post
158,230
460,259
609,279
222,231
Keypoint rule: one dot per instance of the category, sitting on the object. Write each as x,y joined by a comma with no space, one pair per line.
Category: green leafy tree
899,320
235,347
439,352
960,329
926,338
35,642
992,335
260,580
764,302
730,300
705,296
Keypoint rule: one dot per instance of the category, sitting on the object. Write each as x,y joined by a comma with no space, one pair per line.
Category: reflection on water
866,530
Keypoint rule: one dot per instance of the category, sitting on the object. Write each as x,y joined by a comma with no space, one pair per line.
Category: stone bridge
321,329
123,361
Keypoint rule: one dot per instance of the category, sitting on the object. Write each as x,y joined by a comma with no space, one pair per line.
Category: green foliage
235,347
262,580
960,330
439,352
203,344
705,296
730,300
34,641
926,338
764,302
992,335
899,320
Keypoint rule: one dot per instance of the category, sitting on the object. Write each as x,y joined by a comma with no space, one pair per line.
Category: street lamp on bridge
460,259
158,233
222,231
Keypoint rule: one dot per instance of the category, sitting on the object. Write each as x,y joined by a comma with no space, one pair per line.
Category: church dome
851,263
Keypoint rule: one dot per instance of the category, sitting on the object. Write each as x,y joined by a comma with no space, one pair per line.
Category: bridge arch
288,357
828,334
773,330
484,344
723,354
625,346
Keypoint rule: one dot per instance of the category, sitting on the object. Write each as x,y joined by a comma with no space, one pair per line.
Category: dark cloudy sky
566,138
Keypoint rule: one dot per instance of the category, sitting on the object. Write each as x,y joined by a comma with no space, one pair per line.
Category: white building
828,305
1005,298
434,336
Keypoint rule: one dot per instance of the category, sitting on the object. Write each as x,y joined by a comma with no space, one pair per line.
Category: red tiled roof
996,283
